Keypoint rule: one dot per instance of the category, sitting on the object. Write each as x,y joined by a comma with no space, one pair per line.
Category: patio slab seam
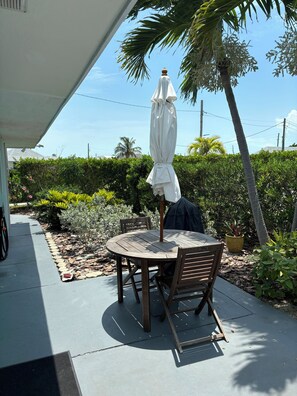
38,287
236,302
131,343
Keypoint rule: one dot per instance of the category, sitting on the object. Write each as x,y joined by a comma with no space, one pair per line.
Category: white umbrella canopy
163,131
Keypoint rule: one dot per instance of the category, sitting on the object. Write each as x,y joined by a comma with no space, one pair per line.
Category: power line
257,133
292,128
235,140
229,119
253,134
128,104
206,113
112,101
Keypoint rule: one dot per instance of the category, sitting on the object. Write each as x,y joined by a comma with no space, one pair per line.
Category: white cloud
279,123
291,121
96,74
292,117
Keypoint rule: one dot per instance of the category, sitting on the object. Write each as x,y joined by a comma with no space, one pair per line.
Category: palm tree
199,27
213,64
125,148
234,12
204,146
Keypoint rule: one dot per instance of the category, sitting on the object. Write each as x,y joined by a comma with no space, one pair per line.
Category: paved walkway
40,316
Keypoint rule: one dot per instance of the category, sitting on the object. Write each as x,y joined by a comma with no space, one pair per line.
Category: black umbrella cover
184,215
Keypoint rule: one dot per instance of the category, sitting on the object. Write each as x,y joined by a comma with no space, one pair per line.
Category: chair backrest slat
197,266
134,224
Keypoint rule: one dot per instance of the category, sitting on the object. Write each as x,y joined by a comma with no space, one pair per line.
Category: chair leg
131,277
222,334
211,299
180,344
168,316
201,305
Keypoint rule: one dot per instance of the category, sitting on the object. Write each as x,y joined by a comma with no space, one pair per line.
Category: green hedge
215,182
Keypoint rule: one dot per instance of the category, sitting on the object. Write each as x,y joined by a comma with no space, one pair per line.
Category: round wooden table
147,248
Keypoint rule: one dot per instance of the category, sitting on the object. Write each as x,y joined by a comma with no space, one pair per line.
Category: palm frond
157,5
154,31
234,12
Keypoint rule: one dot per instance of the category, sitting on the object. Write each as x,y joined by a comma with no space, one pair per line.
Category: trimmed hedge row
215,182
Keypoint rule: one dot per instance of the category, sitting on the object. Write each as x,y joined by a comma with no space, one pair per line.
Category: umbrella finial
164,71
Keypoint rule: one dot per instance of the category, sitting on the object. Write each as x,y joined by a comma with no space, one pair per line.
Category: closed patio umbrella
163,130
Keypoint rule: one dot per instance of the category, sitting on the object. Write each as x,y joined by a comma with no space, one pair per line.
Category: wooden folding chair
195,273
129,225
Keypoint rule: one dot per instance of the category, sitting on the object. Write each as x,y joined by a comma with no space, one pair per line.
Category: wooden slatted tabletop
146,244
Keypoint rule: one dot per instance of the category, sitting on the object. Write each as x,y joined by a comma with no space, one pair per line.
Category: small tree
206,145
126,149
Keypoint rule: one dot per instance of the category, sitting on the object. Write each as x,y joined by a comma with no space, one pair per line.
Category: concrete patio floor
41,316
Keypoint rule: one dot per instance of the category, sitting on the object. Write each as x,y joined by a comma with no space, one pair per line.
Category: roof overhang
45,53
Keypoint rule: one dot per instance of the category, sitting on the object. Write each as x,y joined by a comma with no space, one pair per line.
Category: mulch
84,263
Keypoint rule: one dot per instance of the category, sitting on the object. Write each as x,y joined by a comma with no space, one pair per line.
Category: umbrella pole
162,202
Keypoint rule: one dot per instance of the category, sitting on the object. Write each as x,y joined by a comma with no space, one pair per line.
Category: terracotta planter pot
234,244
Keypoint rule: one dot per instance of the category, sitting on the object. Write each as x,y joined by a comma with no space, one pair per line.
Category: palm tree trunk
245,157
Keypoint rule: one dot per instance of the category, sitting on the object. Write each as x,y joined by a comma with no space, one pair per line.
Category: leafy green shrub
276,175
56,201
154,215
108,196
97,221
20,191
275,271
208,224
44,173
140,192
61,188
15,188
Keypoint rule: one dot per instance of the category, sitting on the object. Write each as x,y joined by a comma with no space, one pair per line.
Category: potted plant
234,237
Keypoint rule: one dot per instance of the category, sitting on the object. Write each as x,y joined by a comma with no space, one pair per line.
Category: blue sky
263,102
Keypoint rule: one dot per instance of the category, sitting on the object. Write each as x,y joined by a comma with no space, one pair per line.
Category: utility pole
201,118
277,142
88,150
284,135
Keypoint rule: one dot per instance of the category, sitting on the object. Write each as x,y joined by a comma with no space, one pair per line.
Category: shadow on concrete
123,323
266,347
24,330
268,361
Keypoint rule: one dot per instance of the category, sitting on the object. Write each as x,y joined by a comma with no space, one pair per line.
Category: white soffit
46,51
